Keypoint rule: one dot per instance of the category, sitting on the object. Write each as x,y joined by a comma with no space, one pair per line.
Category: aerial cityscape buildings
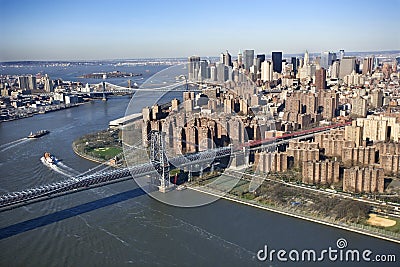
258,97
200,133
301,93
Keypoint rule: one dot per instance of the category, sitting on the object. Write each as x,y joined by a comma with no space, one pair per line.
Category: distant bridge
181,86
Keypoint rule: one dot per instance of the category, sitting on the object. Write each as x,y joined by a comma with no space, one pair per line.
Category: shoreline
92,159
260,206
86,156
36,113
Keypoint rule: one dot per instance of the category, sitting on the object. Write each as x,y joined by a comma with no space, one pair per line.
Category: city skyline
45,30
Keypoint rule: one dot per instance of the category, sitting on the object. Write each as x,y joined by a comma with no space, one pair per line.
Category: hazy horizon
185,57
76,31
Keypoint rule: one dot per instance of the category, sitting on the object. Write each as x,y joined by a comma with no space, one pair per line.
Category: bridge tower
159,160
104,92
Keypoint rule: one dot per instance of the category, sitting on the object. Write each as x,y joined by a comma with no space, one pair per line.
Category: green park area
101,146
106,152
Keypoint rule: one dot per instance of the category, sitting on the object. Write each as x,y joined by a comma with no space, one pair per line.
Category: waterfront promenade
353,227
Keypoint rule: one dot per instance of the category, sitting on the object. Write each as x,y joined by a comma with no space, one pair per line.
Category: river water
118,225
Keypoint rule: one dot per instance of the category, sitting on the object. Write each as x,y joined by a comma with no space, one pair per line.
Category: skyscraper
240,58
368,65
193,67
248,57
222,72
277,61
306,59
32,82
266,71
48,84
203,70
376,62
320,79
294,62
335,69
227,59
260,59
23,82
327,59
213,73
347,66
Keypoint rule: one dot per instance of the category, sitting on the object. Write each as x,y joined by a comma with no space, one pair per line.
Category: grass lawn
107,152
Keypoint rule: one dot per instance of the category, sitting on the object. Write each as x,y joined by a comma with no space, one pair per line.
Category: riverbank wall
347,226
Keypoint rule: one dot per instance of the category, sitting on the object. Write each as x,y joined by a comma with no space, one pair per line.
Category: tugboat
38,134
49,159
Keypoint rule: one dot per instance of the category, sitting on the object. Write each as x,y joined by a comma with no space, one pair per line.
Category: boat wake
61,168
68,169
12,144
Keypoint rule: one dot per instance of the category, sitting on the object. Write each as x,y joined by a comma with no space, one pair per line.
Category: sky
119,29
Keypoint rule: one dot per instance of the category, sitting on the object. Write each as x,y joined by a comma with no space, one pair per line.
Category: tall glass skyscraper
248,58
260,59
295,64
277,61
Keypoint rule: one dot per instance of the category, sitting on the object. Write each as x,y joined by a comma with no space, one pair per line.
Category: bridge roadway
43,192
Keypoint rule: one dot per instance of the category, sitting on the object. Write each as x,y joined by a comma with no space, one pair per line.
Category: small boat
38,134
49,159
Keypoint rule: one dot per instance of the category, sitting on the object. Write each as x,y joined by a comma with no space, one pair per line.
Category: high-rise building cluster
368,149
216,117
360,83
313,90
356,158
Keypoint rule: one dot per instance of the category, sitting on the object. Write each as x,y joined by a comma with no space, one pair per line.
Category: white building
266,71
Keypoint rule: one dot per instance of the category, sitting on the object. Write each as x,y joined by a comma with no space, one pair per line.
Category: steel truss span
27,196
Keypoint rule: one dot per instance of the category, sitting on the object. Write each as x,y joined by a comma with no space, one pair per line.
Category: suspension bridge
107,88
158,170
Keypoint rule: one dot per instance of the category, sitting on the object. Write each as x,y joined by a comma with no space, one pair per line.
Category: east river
118,225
